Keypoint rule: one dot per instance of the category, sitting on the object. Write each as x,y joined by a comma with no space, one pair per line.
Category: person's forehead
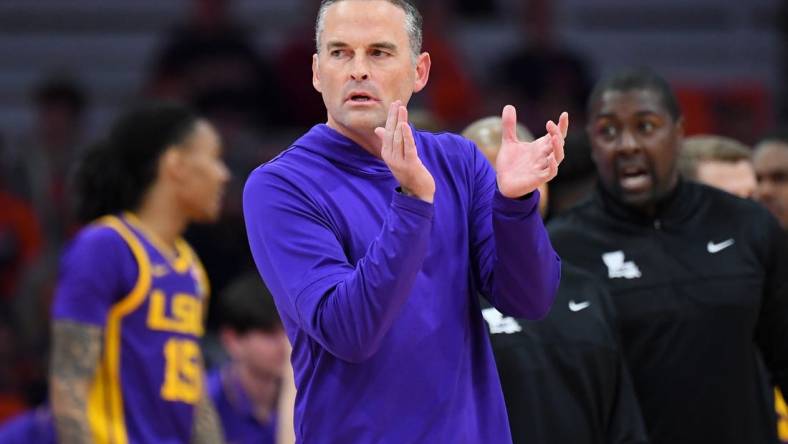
771,156
615,102
713,166
368,21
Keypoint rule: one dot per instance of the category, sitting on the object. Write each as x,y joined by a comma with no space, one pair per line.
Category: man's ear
229,339
423,64
315,74
171,164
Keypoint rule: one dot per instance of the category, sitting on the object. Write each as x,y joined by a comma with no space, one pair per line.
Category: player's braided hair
114,174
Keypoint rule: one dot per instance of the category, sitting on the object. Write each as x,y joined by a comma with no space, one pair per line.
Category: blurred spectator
20,241
37,169
12,399
782,100
697,275
719,162
547,366
247,388
451,95
771,169
543,78
474,9
211,63
304,105
40,161
20,244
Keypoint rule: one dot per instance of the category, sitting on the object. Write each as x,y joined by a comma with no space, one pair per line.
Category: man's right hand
399,153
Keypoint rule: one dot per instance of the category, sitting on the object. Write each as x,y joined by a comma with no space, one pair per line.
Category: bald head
487,134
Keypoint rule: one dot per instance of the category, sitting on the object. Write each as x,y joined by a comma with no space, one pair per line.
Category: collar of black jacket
673,209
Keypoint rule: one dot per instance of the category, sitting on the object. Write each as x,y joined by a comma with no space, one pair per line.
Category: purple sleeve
516,267
96,271
346,309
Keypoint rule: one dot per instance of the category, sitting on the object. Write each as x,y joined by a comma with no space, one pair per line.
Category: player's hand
521,166
399,153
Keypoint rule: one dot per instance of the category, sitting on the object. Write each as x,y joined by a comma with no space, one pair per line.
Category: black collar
675,208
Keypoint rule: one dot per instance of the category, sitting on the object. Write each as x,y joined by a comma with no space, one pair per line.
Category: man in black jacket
699,277
564,379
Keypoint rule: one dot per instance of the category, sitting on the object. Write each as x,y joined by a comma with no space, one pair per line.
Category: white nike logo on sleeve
716,248
577,306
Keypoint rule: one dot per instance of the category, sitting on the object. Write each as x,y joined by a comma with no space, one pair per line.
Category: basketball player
128,310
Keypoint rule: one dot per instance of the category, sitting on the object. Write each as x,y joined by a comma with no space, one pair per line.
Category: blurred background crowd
70,66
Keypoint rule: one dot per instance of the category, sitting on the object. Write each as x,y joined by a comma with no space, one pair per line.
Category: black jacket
563,377
701,292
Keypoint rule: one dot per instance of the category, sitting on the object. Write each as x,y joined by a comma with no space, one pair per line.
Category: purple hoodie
378,290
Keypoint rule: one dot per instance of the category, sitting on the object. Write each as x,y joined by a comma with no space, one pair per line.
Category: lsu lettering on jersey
150,304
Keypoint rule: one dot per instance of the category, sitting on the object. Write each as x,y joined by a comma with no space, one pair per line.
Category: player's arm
76,352
206,428
91,278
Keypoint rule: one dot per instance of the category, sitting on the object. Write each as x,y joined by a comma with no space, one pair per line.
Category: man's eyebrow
336,44
648,112
606,115
612,114
377,45
384,45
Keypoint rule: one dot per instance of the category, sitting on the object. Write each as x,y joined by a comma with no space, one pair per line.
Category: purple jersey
236,411
149,303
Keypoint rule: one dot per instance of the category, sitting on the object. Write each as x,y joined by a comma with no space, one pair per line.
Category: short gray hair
710,148
413,23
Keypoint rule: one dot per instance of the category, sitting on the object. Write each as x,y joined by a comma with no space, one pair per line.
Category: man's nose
628,143
360,69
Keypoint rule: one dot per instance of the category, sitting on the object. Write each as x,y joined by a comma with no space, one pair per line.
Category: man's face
203,175
635,144
364,64
771,169
262,356
737,178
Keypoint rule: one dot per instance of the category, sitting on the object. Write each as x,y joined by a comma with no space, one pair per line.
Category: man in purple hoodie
375,238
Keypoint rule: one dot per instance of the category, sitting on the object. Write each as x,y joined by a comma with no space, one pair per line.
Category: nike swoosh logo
716,248
577,306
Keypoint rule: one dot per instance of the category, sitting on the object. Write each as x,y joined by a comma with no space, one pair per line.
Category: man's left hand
523,166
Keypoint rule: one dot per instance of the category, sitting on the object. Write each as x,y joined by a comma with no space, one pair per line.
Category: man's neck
365,138
163,219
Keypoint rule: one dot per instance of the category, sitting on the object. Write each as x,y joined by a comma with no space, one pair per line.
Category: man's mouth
634,178
360,97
